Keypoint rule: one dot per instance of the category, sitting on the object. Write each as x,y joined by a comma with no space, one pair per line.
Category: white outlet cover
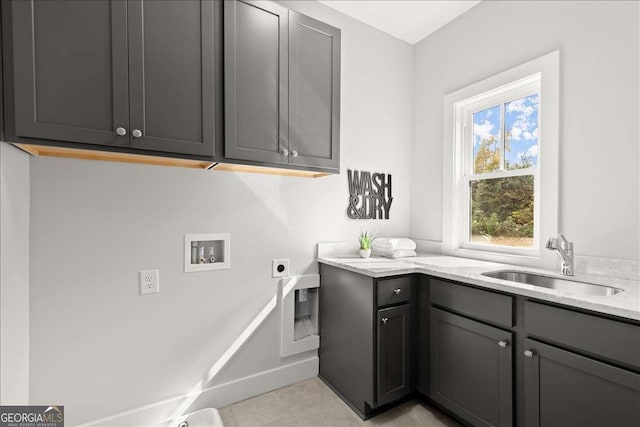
274,268
149,282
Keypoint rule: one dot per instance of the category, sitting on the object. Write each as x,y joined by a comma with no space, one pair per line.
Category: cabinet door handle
284,152
397,291
529,353
294,153
137,133
503,344
121,131
385,320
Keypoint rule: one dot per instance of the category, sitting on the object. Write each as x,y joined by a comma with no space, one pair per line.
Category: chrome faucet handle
565,250
564,243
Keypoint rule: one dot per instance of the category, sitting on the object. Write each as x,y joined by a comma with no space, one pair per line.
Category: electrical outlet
280,268
149,282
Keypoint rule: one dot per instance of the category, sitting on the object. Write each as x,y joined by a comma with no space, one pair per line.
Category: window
500,158
500,149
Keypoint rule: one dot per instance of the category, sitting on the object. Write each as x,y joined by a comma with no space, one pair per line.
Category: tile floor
311,403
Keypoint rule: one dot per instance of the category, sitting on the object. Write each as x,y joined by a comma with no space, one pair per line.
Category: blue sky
521,125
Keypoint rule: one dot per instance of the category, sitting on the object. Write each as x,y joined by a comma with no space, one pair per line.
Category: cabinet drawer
485,305
393,291
608,338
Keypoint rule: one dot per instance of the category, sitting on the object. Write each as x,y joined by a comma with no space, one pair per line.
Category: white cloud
523,126
483,130
530,135
533,151
516,131
519,105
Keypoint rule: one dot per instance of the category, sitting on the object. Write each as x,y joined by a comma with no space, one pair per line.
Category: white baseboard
217,396
254,385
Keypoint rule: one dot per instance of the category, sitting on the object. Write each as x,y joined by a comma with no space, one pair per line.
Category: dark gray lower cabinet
564,389
365,338
347,336
471,369
394,353
382,339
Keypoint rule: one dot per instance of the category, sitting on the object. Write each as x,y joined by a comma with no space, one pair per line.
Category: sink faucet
565,249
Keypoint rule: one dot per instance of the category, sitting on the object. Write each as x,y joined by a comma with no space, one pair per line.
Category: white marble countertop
624,304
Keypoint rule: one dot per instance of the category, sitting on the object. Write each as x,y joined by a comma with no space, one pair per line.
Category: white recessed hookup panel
299,323
205,252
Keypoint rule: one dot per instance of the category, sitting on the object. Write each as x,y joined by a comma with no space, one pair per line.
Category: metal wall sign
369,195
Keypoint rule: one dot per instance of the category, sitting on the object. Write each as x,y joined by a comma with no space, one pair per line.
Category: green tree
501,206
487,158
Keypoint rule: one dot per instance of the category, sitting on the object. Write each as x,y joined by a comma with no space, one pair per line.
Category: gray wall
14,276
598,43
98,347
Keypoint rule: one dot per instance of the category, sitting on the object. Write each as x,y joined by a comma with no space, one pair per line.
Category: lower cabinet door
471,369
564,389
394,353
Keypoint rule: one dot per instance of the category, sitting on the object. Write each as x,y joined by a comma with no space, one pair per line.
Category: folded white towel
394,254
394,244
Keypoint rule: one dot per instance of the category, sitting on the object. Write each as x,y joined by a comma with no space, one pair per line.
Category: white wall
14,276
599,134
99,348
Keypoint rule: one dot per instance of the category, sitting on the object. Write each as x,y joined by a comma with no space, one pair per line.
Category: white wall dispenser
204,252
299,297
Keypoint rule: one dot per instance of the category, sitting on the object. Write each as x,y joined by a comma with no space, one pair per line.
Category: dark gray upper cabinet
171,75
314,92
136,74
394,353
471,371
256,80
282,87
565,389
70,70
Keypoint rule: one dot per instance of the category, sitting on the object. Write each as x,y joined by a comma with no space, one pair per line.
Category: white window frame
540,76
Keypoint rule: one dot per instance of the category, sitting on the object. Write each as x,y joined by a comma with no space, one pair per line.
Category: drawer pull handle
397,291
529,353
384,320
503,344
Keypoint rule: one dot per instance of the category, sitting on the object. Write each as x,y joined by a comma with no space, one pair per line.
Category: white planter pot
365,253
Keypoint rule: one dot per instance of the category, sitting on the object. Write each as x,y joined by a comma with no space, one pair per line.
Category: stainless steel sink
550,282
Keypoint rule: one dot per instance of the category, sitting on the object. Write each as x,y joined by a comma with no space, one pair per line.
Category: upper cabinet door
314,93
171,75
70,70
256,81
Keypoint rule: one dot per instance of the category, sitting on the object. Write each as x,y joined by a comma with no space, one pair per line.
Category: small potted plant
365,238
